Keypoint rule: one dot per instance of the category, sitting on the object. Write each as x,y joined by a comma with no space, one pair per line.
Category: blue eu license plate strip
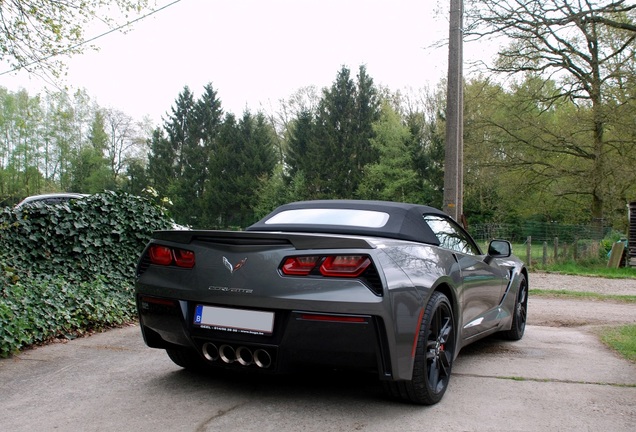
198,314
234,320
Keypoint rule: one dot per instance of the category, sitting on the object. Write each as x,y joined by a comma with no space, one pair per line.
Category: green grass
590,269
536,251
622,339
583,295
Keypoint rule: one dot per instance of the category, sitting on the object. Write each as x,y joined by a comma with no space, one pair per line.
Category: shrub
69,268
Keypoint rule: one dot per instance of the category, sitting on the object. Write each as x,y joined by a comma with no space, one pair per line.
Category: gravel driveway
553,312
553,281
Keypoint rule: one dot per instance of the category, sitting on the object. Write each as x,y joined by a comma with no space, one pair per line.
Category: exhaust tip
244,356
227,354
262,359
210,351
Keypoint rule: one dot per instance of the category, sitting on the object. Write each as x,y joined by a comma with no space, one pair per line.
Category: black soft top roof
405,220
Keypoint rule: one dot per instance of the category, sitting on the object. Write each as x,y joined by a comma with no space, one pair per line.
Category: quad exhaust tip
227,354
242,355
210,351
262,359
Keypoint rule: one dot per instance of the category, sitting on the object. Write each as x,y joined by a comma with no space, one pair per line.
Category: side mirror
499,249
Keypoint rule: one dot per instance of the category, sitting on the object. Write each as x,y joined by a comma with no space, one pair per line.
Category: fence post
575,250
545,253
529,251
556,248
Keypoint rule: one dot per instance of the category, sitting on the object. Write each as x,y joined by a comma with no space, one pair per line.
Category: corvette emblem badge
233,268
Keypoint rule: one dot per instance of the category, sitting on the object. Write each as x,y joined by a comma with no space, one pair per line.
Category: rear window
340,217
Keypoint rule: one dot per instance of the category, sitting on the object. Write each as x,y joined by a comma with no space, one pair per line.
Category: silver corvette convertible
397,289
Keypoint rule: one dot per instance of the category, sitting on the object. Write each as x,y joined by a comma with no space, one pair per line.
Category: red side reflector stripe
333,318
417,333
159,301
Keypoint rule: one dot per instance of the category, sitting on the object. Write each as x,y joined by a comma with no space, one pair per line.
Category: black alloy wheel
439,348
520,313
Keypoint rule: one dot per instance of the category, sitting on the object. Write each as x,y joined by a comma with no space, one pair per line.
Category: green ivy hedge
69,268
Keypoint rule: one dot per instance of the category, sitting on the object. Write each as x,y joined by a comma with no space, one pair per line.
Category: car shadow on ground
302,385
307,384
491,345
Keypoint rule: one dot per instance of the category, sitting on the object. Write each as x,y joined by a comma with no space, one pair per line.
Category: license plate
234,320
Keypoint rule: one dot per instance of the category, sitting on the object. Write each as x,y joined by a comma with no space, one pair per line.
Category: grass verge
598,270
583,295
622,339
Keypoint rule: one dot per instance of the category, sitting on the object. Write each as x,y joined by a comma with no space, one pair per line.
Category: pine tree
301,152
344,129
184,137
244,159
181,129
136,178
368,113
219,194
335,130
426,149
208,116
161,162
393,177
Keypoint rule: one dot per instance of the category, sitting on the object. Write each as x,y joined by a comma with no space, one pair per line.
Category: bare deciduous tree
125,136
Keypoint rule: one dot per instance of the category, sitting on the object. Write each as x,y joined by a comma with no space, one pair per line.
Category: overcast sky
257,51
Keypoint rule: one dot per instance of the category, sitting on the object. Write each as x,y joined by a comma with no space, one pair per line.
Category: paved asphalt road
555,379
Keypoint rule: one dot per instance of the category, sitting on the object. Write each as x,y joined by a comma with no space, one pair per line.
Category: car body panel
370,322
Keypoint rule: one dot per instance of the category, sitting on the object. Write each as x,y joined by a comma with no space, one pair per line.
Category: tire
187,358
433,356
520,313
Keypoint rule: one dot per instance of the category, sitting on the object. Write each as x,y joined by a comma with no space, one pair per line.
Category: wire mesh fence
547,243
539,231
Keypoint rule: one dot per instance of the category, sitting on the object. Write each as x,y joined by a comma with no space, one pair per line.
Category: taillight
299,266
160,255
330,266
184,258
340,266
344,265
165,256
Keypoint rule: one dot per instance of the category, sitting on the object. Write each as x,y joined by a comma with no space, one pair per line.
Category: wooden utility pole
454,158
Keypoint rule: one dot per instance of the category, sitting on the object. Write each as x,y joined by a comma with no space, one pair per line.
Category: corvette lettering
231,290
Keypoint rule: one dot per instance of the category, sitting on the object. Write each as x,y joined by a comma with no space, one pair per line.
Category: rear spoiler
252,238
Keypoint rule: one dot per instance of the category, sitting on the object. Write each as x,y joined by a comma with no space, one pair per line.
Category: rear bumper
299,339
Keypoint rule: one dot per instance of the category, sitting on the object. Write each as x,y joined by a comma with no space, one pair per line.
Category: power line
91,39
